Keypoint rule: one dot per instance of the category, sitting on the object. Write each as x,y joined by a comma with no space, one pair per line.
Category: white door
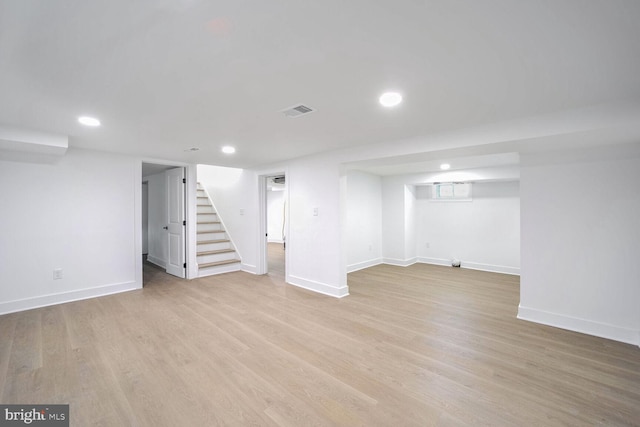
176,226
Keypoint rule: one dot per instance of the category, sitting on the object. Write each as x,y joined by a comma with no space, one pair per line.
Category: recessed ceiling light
390,99
445,166
227,149
89,121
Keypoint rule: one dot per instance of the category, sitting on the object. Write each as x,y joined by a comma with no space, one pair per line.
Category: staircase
215,252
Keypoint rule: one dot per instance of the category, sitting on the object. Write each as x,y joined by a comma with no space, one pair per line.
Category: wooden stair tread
214,252
208,222
213,264
210,231
205,242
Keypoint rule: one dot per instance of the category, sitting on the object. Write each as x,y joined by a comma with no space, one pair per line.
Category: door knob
166,227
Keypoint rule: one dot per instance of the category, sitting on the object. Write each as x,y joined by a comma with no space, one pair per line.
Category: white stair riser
219,269
214,235
212,216
214,246
205,209
203,259
210,227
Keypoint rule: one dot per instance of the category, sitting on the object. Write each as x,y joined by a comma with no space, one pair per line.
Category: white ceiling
168,75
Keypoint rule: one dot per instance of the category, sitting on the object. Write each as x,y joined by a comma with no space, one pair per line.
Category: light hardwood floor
416,346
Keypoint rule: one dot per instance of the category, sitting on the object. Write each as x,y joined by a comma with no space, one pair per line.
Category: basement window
451,191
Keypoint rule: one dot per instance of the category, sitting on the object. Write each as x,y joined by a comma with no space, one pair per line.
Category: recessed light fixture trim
390,99
227,149
89,121
445,166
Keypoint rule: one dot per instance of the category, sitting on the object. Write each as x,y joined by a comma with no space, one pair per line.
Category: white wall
77,214
483,233
363,220
234,193
393,221
402,242
410,222
157,217
275,216
580,246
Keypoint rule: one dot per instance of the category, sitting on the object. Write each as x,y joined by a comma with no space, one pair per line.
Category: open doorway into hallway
164,219
274,224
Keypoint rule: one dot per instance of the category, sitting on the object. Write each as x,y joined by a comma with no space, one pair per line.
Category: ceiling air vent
297,110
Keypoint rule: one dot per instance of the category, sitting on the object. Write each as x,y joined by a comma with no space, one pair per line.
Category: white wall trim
491,268
590,327
473,265
249,268
400,262
275,241
157,261
321,288
434,261
364,264
64,297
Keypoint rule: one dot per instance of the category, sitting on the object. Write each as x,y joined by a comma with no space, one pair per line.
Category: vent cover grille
297,110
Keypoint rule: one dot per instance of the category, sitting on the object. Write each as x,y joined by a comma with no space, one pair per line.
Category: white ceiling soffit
163,76
433,165
29,142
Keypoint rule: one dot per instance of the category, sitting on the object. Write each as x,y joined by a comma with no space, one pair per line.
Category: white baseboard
589,327
399,262
434,261
491,268
321,288
157,261
64,297
472,265
364,264
249,268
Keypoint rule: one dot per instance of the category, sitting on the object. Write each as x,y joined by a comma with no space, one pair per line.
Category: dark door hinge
184,265
184,180
184,222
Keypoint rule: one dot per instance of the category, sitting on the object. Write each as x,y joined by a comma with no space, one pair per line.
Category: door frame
263,261
190,214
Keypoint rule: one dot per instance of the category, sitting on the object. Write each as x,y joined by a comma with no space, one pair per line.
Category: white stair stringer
215,252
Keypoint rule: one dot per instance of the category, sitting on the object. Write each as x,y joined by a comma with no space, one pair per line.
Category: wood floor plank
411,346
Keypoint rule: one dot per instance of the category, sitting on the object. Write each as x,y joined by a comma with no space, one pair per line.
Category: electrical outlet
315,211
370,248
57,273
241,211
428,246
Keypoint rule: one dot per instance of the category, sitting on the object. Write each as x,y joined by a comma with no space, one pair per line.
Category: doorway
274,224
164,218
